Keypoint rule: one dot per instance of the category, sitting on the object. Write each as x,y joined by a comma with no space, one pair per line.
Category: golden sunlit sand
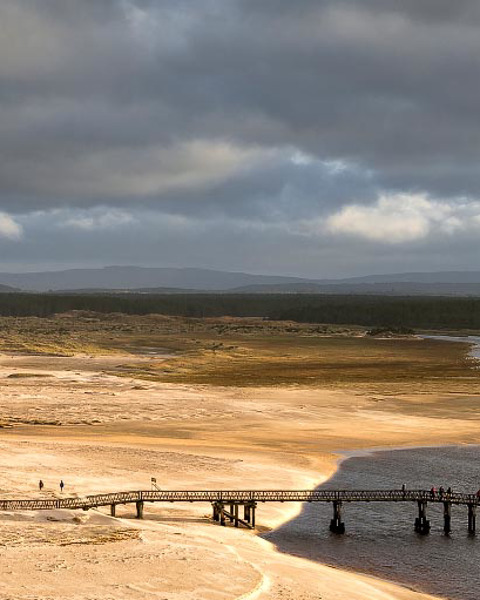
71,419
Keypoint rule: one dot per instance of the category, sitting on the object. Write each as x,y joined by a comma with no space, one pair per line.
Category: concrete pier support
215,515
422,524
139,505
472,514
221,513
231,511
112,510
336,524
447,517
246,513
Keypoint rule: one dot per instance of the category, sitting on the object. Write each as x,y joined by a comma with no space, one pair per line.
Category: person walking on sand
62,485
40,485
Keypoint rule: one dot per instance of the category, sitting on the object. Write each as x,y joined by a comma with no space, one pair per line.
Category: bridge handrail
319,495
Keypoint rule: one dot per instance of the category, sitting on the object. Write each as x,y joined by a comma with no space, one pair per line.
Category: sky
319,138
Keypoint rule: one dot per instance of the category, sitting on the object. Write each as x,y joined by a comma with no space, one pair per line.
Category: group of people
441,491
41,485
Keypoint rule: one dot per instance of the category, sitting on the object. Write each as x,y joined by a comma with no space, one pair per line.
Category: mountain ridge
191,280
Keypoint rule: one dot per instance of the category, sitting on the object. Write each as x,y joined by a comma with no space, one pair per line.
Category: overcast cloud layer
316,137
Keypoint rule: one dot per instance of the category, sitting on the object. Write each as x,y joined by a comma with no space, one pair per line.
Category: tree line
369,311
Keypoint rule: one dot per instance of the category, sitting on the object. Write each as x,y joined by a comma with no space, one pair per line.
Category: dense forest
370,311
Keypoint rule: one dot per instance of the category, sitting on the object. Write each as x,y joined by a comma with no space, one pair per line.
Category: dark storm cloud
241,109
393,89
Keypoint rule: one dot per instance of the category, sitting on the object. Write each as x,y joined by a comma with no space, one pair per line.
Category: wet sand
68,420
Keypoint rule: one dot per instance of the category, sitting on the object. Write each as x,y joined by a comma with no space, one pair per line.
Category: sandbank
101,433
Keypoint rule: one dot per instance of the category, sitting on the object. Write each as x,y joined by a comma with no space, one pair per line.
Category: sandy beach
69,420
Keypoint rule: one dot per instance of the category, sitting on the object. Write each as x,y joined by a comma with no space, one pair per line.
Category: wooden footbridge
226,504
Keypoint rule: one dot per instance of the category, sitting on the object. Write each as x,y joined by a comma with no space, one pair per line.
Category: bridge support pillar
422,524
112,510
336,524
246,513
139,505
216,511
251,510
236,515
231,511
447,517
221,513
472,513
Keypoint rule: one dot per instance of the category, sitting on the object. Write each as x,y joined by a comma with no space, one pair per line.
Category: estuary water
473,340
380,539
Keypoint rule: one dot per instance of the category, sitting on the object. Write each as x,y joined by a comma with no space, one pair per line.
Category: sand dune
110,434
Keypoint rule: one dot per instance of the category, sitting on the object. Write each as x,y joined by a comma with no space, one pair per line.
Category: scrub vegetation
248,351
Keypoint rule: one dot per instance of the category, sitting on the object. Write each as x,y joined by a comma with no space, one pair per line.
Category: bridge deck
237,496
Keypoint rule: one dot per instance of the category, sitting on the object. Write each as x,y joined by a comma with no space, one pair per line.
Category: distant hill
366,289
145,280
146,291
421,277
6,289
124,278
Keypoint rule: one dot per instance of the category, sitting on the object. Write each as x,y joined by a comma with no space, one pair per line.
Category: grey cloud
154,239
195,109
341,80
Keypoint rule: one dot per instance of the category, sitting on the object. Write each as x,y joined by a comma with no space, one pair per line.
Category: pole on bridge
336,524
112,510
139,504
422,524
447,517
472,511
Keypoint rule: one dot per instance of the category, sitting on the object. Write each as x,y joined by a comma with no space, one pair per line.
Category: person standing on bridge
62,485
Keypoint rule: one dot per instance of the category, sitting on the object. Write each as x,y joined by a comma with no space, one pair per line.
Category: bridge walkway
249,499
